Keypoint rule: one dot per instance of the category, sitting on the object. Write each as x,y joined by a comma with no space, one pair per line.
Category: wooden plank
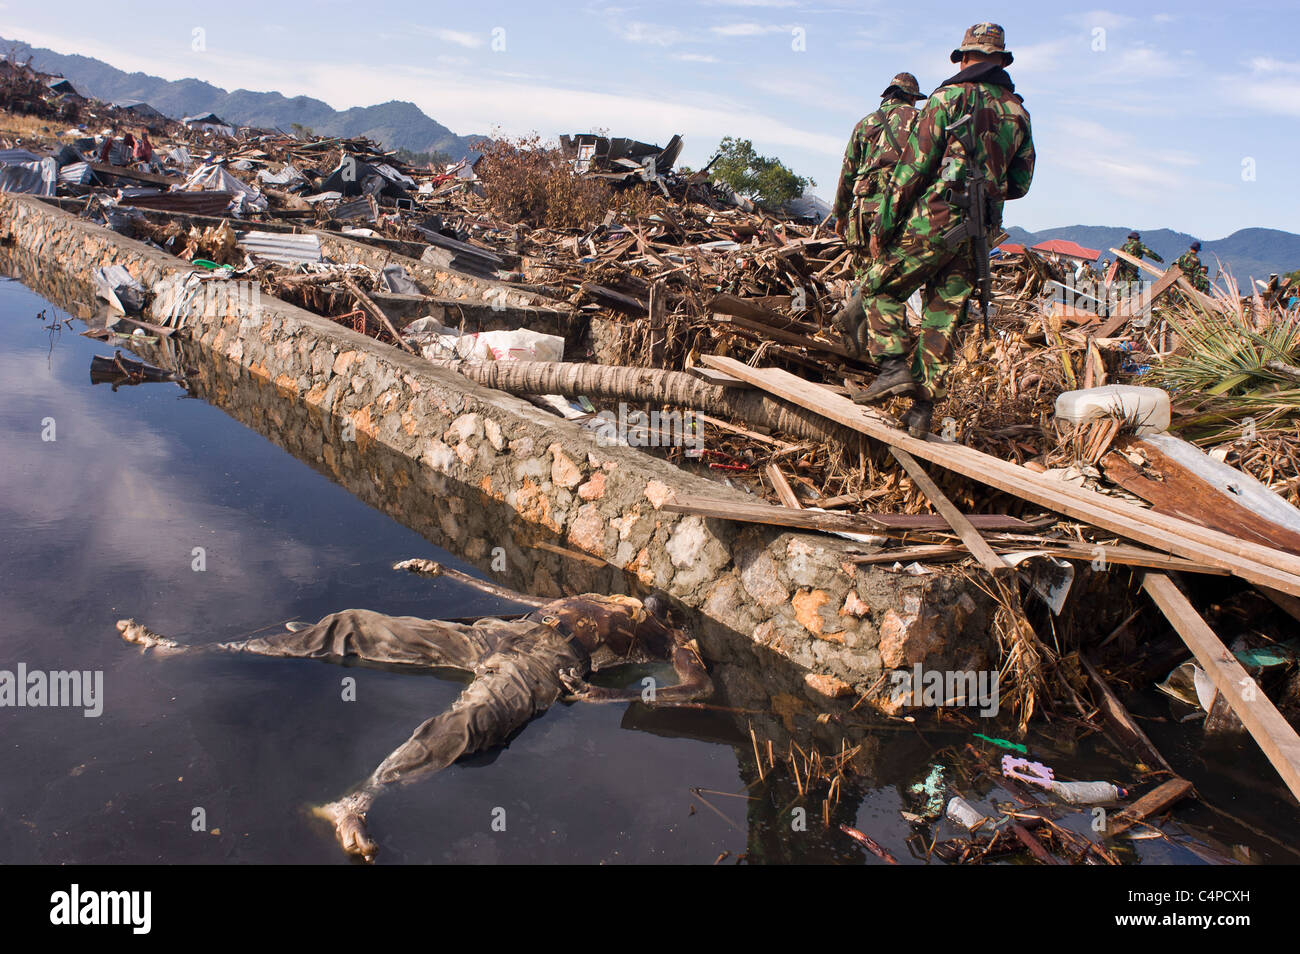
1119,555
1181,493
753,435
1249,561
1272,732
785,337
616,300
805,519
1153,802
956,519
937,551
1184,285
746,308
782,487
714,376
1123,555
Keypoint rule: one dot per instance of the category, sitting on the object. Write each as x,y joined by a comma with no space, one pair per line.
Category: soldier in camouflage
1127,271
906,244
873,149
1189,263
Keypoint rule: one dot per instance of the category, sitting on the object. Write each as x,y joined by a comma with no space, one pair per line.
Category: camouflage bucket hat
983,38
906,84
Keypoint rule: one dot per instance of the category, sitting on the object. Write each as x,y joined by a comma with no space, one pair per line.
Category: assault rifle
974,201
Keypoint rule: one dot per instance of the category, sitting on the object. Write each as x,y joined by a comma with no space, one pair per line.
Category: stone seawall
475,470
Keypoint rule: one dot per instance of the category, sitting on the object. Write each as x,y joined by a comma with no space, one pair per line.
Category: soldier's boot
918,417
848,321
894,380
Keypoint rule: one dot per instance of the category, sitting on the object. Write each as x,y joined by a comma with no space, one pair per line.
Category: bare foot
146,638
348,816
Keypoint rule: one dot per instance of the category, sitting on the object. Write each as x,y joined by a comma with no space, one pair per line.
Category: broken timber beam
1156,800
1272,732
804,519
1202,299
1250,561
960,524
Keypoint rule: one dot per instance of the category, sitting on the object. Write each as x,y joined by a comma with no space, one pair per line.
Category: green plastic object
1013,746
205,263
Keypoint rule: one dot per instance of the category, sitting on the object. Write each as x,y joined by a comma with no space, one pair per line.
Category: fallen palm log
652,386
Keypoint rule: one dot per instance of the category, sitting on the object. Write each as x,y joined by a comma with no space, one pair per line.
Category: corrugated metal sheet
76,173
11,156
195,203
361,208
281,247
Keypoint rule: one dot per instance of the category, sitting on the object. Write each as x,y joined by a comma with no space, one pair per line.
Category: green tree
765,179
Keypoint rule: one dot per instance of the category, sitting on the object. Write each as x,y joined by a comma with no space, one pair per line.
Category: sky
1182,115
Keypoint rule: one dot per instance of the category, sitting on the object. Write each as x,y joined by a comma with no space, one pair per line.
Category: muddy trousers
515,666
906,265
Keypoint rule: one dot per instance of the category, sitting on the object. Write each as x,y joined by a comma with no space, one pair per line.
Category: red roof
1011,248
1066,247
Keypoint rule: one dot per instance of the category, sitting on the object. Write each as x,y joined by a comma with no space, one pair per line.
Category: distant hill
396,124
1247,253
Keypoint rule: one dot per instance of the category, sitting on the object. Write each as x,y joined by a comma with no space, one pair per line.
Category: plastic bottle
1087,793
964,813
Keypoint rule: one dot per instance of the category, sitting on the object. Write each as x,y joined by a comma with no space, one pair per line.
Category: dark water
102,523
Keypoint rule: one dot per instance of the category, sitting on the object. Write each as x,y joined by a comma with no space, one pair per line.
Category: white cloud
1267,64
650,34
1101,18
695,57
1040,57
748,29
470,41
1145,62
1275,97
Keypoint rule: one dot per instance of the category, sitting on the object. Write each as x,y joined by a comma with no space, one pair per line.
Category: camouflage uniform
916,211
1189,263
874,147
1127,272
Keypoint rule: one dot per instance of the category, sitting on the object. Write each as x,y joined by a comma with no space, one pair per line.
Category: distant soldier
1127,271
1189,263
907,244
874,147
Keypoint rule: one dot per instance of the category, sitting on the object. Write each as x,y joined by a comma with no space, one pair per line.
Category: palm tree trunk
653,386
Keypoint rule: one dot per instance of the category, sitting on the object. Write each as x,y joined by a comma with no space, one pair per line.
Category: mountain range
396,124
1247,253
